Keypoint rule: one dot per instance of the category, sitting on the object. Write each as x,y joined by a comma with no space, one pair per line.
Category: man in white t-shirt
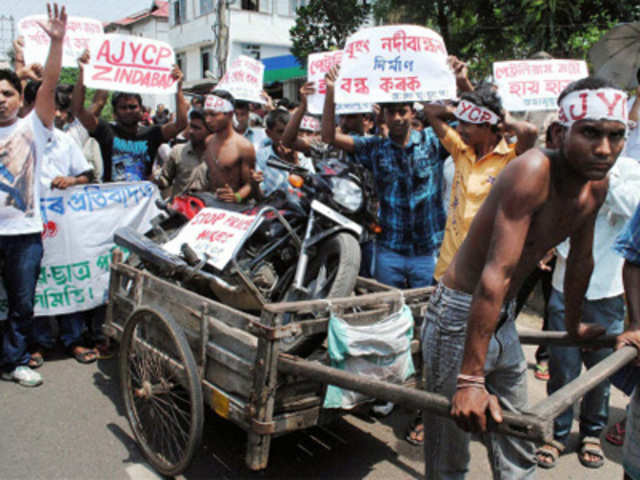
22,145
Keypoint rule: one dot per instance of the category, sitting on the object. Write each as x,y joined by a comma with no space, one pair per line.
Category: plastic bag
381,350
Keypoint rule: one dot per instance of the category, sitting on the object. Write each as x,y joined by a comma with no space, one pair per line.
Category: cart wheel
161,390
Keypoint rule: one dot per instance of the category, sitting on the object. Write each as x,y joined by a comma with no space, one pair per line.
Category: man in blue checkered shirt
407,168
628,245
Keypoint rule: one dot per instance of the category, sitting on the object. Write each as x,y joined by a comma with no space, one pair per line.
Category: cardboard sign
79,224
527,85
79,33
244,80
318,65
130,64
398,63
214,234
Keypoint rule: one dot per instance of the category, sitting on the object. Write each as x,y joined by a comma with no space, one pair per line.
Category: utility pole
7,36
222,39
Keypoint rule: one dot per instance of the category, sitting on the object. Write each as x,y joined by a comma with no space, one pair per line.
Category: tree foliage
325,25
484,31
69,76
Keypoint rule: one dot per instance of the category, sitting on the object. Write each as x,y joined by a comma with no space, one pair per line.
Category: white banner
130,64
213,233
526,85
80,31
79,224
399,63
318,65
244,80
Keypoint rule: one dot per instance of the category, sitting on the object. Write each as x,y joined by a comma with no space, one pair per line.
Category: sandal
591,446
89,355
615,435
104,350
36,360
551,450
415,434
542,371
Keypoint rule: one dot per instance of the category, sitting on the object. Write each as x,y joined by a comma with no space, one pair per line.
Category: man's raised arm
329,134
526,133
88,119
55,27
170,130
518,203
290,137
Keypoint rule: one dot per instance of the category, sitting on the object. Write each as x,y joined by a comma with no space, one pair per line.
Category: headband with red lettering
217,104
310,124
470,112
601,104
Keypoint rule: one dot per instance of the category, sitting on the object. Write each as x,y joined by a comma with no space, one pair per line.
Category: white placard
214,233
244,80
79,33
527,85
130,64
318,65
398,63
79,224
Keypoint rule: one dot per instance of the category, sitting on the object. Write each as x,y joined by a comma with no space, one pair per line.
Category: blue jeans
21,255
446,447
397,270
72,326
565,363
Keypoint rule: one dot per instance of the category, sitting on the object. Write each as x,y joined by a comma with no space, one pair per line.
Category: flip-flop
615,435
552,454
542,372
88,356
415,430
36,360
105,351
591,445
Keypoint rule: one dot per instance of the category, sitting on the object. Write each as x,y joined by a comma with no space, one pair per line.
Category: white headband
601,104
470,112
217,104
310,124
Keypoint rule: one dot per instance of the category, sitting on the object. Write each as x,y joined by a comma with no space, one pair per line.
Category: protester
603,305
161,116
628,246
255,135
22,146
537,201
186,157
229,157
632,147
128,150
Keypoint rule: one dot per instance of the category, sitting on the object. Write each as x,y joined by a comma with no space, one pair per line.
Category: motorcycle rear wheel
332,273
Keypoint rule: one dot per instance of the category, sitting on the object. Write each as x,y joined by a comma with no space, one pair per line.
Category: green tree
325,25
69,76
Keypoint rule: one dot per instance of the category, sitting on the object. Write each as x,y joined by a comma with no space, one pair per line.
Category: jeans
72,326
565,363
397,270
446,447
21,255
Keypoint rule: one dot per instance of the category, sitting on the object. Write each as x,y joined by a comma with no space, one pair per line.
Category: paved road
74,427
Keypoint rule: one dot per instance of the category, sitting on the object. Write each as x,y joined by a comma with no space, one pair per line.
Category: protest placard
526,85
80,31
214,234
244,80
79,224
318,65
130,64
398,63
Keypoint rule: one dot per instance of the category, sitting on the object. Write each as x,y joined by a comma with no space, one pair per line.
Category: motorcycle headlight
347,194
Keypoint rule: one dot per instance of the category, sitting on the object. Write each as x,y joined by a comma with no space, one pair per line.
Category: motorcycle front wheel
331,273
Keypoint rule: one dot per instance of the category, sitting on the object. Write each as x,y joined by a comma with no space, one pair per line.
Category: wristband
238,197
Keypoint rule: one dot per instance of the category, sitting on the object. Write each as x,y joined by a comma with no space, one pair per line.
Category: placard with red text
36,42
398,63
213,233
527,85
130,64
244,80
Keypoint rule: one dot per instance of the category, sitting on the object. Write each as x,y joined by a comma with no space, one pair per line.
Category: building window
205,62
251,50
295,4
206,6
253,5
179,12
182,64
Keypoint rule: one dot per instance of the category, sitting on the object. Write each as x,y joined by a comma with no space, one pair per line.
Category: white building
258,28
152,22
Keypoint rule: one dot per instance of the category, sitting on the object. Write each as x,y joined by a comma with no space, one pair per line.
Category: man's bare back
559,210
